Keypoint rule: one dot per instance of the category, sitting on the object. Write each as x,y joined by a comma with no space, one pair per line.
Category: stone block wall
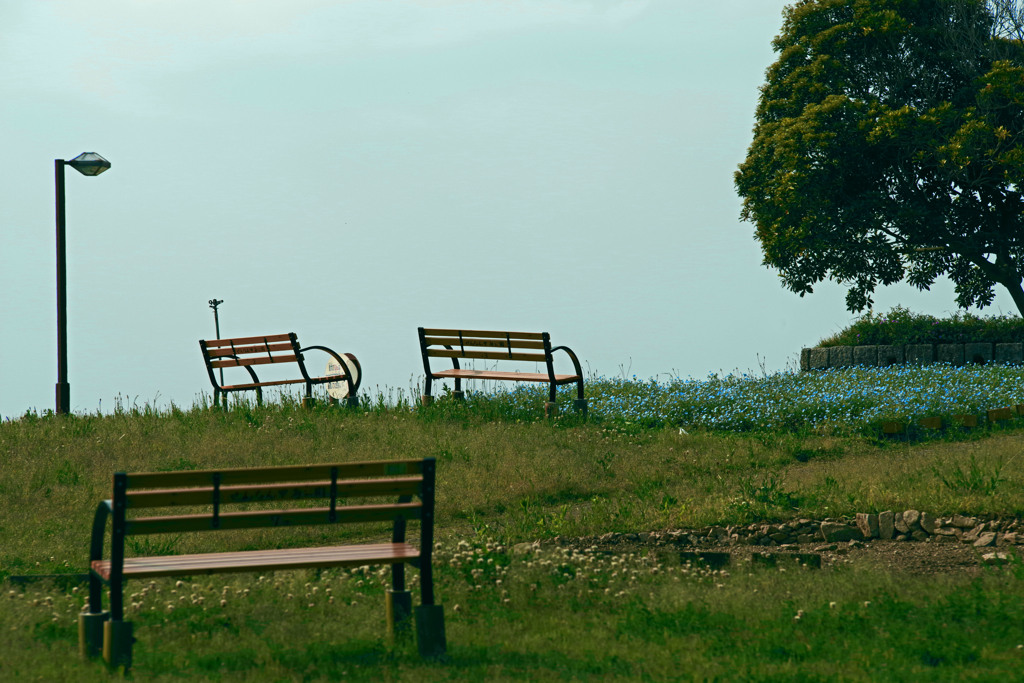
976,353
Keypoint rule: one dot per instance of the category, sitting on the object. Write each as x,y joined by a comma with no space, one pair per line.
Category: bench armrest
572,357
576,365
353,387
99,528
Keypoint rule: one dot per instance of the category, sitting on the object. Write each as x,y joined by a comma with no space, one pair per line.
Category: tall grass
507,475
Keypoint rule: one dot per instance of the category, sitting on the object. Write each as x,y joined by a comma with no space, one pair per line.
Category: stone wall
977,353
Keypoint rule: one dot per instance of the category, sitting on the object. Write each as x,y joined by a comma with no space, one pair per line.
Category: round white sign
339,390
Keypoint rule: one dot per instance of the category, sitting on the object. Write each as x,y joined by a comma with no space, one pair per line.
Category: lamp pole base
63,398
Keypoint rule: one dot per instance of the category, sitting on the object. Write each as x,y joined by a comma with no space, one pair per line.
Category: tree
889,146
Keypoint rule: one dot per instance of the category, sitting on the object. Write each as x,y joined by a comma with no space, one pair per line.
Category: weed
142,546
68,473
179,463
534,522
973,479
764,500
604,461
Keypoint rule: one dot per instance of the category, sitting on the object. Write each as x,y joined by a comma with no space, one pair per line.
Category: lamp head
89,163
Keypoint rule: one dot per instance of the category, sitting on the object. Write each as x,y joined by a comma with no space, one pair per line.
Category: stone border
977,353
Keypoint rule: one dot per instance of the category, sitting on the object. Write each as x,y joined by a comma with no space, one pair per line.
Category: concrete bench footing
117,643
90,633
430,637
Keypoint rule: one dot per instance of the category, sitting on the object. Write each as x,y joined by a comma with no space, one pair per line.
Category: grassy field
507,476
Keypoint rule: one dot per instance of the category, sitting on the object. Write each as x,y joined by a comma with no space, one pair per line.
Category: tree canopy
889,146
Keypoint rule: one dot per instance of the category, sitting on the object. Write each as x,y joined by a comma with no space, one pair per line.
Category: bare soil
899,557
910,557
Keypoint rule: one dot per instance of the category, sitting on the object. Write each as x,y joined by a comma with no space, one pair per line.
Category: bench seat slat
254,360
271,518
502,343
430,332
403,486
253,385
242,350
273,475
495,374
487,355
270,338
273,383
261,560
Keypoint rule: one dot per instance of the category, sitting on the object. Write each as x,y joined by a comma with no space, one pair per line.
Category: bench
246,352
532,347
258,498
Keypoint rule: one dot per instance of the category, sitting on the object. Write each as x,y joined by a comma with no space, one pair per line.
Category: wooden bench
246,352
258,498
532,347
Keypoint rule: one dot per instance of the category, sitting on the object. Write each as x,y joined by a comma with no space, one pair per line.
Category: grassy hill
507,476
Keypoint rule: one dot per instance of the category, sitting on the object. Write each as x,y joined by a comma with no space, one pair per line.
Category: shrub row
900,326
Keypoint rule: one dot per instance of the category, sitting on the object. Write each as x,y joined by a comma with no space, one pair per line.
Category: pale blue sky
350,170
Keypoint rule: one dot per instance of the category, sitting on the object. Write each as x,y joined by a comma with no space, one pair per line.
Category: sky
350,170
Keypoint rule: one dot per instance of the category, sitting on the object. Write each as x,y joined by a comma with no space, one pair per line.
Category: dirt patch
908,557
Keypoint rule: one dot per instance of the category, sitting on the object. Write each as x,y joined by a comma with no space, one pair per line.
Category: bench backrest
298,495
249,351
485,345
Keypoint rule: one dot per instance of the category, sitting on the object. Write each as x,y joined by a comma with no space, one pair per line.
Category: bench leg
398,611
430,637
90,633
459,395
352,401
117,643
426,399
550,409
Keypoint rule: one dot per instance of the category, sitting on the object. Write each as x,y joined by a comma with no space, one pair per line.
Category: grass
507,476
557,616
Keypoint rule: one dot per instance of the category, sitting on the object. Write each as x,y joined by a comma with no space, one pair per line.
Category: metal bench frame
246,352
215,491
497,346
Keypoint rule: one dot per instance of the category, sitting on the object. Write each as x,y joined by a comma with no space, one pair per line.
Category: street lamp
88,163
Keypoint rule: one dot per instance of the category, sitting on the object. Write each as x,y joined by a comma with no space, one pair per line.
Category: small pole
214,303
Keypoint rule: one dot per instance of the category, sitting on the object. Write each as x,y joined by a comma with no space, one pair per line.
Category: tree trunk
1001,274
1017,292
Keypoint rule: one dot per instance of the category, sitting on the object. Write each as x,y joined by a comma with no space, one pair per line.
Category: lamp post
88,163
